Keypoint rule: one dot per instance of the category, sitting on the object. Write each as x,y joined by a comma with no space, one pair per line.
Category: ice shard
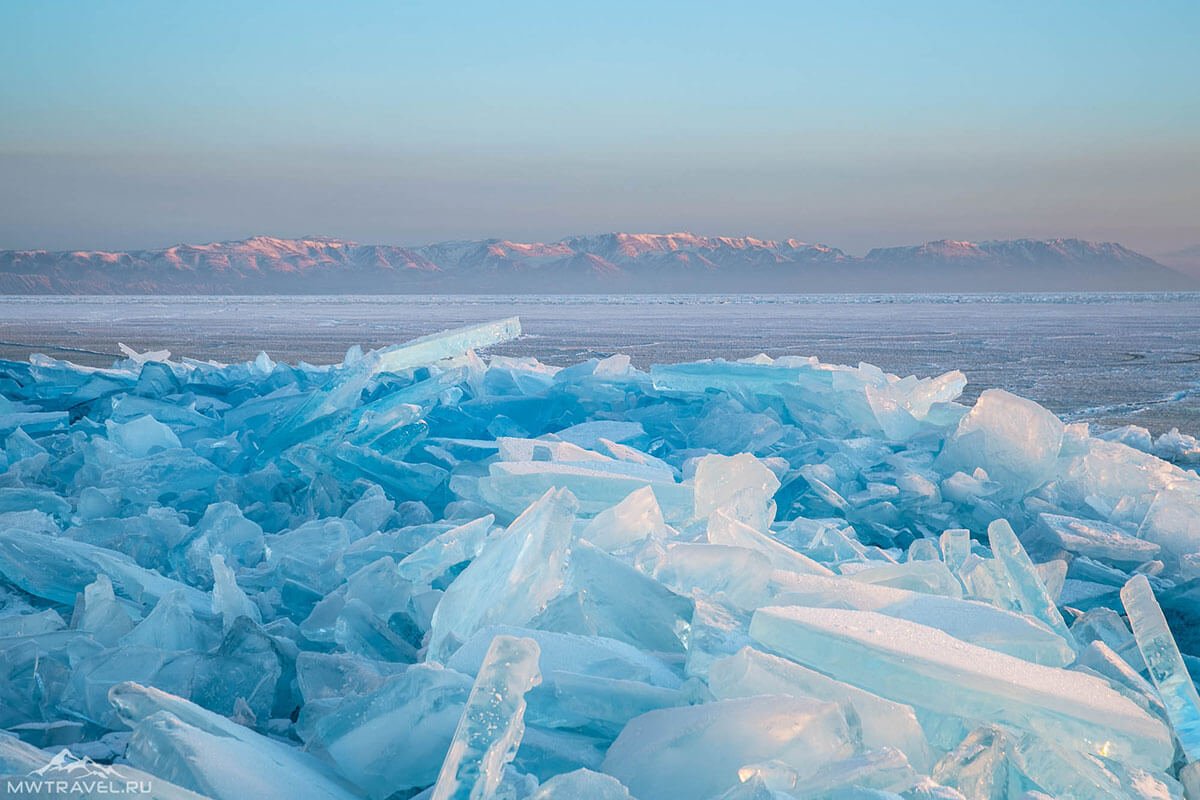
512,580
604,596
979,623
1097,539
1014,439
875,771
142,436
79,775
740,484
395,735
982,766
582,783
882,722
511,485
1024,581
927,668
492,723
1173,521
1063,772
446,344
925,577
636,518
208,754
456,546
228,600
697,751
724,530
734,575
595,656
98,612
58,568
956,546
1164,663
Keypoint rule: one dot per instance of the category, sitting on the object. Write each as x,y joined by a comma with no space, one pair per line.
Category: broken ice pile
426,573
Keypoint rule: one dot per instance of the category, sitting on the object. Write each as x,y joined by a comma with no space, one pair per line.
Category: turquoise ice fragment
924,667
1025,582
19,760
98,612
725,530
882,722
1097,539
205,752
492,722
1164,663
57,568
972,621
393,734
518,573
1014,439
228,600
582,783
697,751
956,546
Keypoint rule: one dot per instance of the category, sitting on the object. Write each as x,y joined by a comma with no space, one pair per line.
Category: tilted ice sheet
970,620
925,667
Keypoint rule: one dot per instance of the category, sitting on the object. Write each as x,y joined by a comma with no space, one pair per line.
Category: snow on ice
428,573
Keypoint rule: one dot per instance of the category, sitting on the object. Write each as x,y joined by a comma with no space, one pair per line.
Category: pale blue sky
126,124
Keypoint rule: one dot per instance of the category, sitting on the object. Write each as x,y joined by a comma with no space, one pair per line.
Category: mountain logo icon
66,765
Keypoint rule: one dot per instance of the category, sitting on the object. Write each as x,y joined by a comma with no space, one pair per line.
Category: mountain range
608,263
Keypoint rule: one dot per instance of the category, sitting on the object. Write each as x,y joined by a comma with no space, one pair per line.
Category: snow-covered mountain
611,262
1014,251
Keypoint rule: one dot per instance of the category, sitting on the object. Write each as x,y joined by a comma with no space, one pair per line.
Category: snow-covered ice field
1112,359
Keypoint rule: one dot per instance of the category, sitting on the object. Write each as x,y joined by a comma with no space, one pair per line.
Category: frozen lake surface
1111,359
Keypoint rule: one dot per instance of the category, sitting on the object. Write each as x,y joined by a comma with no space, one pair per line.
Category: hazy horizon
139,125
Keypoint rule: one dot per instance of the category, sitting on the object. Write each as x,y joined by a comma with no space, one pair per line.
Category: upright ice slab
740,484
635,519
492,722
1023,580
1164,663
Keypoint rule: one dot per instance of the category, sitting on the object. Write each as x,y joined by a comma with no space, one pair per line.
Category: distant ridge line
600,263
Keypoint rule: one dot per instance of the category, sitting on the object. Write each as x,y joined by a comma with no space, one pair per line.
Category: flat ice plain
1111,359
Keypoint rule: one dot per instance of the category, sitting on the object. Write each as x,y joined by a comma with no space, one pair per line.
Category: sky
859,124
